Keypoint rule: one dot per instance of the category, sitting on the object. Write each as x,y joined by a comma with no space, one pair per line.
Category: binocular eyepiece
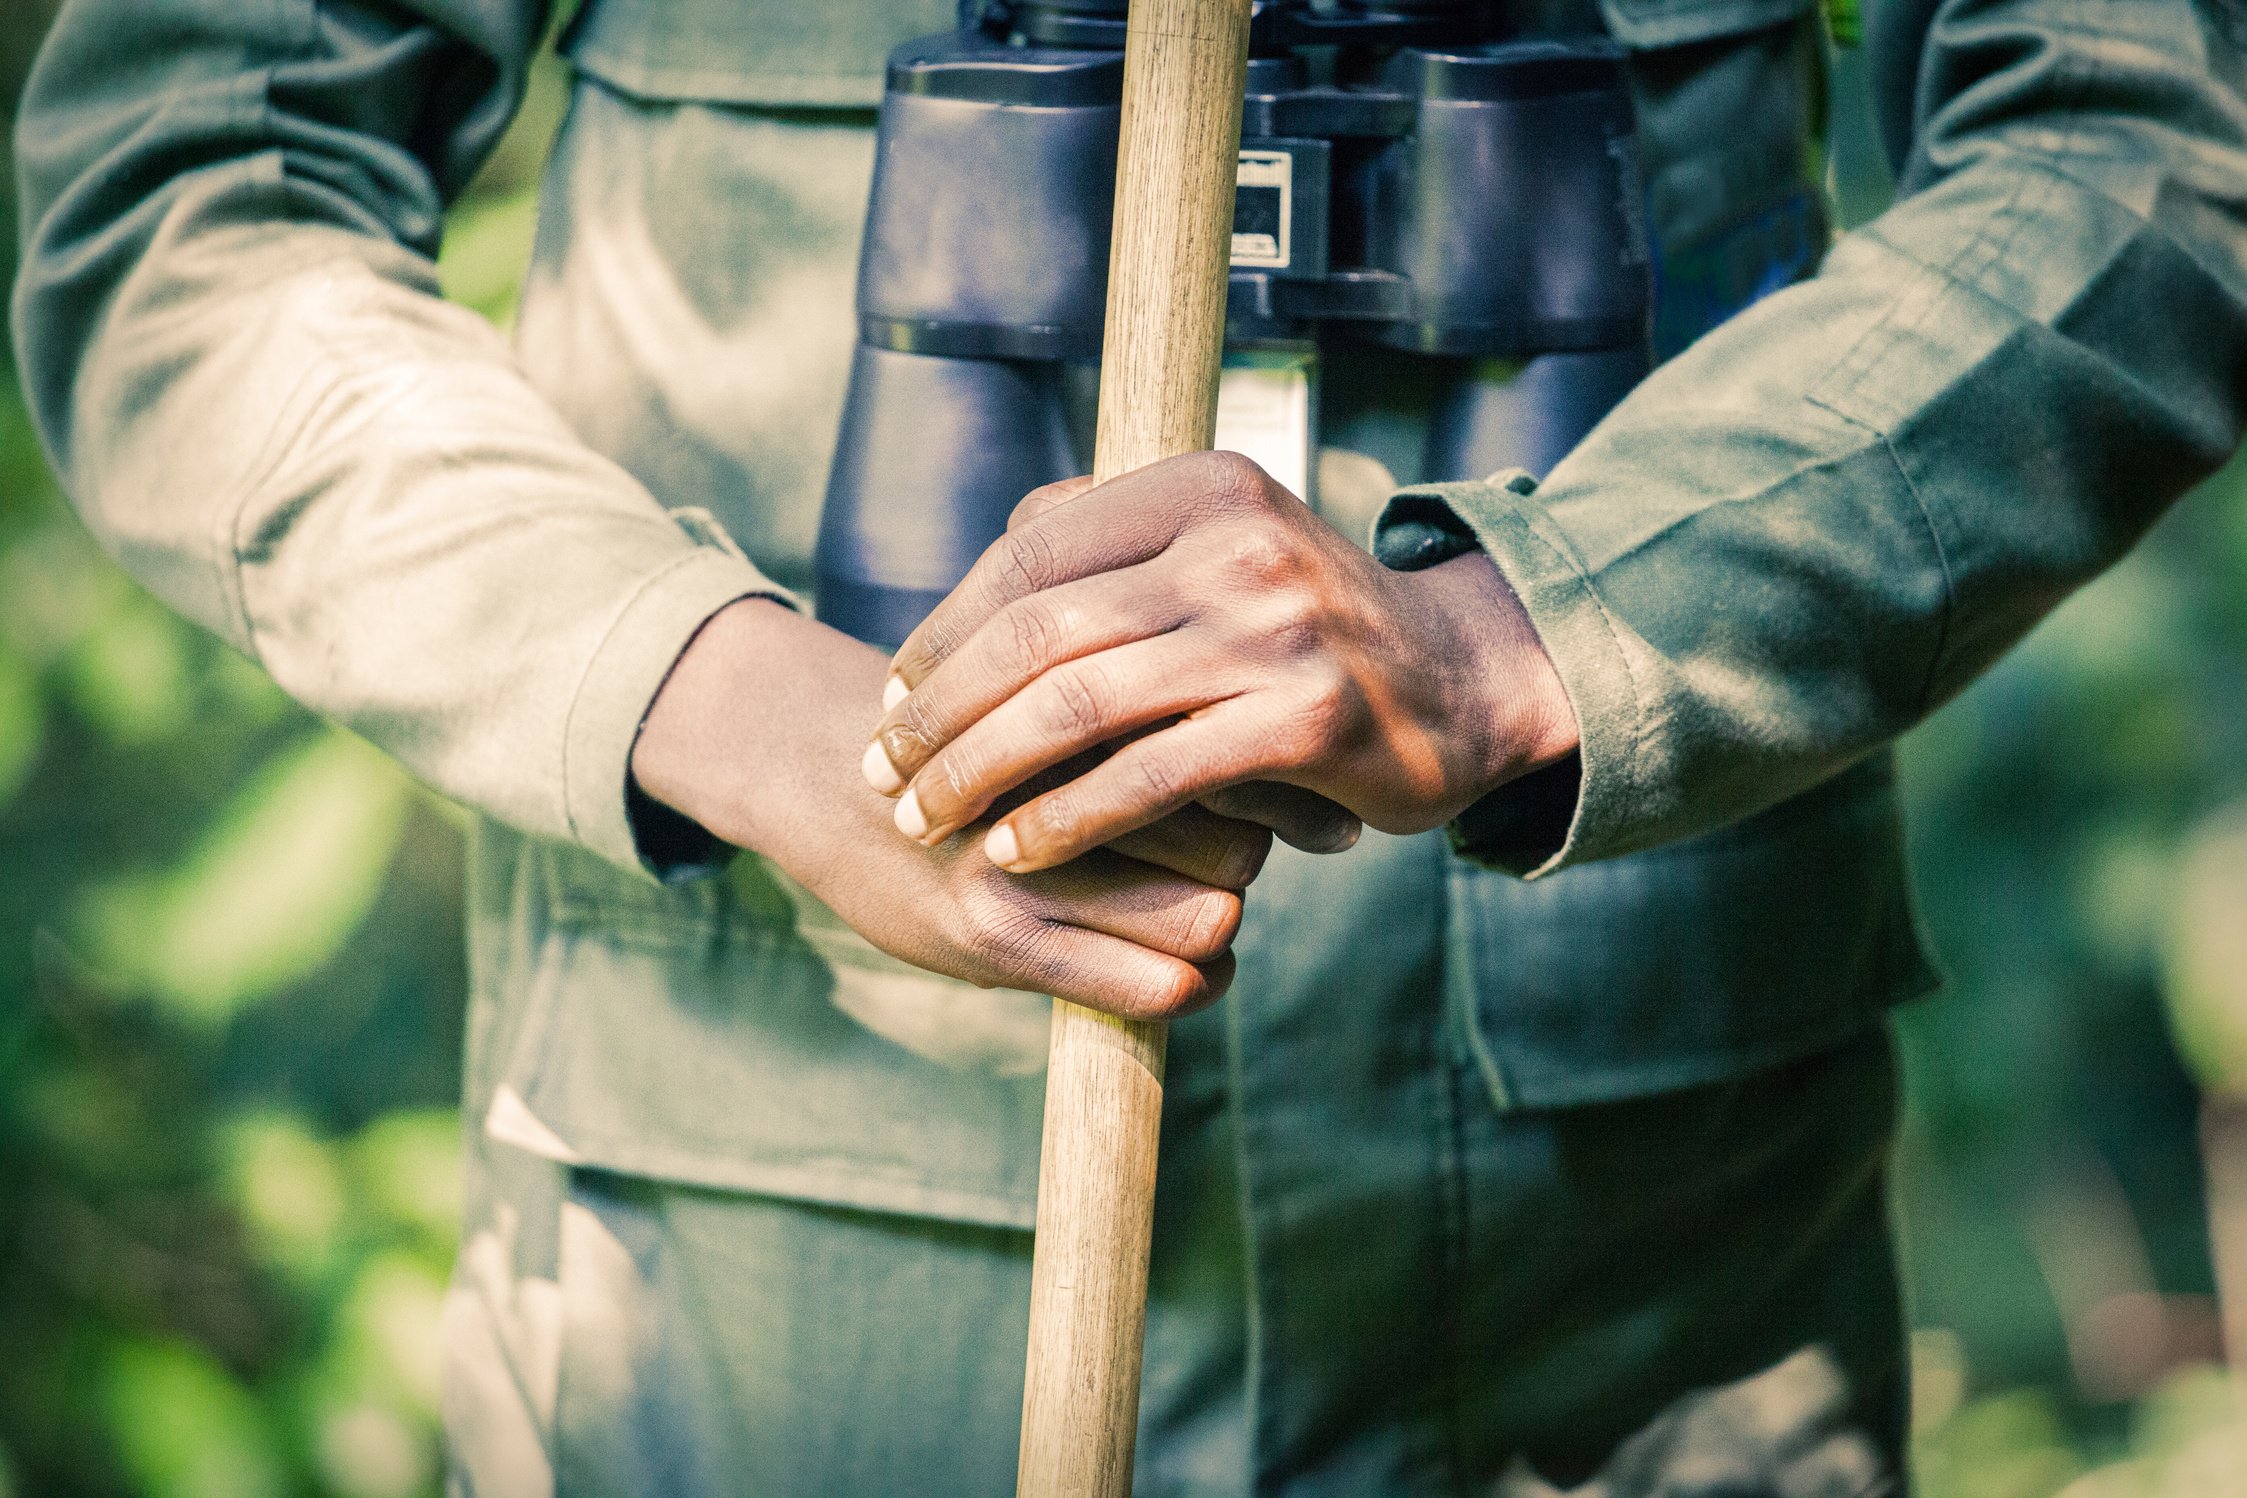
1406,179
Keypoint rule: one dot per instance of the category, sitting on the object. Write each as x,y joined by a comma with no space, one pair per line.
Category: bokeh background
231,978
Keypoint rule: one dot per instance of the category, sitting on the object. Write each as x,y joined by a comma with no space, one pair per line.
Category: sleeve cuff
1580,809
606,812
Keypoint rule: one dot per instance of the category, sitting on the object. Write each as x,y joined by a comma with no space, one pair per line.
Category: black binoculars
1408,177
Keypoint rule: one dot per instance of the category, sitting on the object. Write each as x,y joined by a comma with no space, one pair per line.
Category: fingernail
894,691
1002,847
911,820
879,772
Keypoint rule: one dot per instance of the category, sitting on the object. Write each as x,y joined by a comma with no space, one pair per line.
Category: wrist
740,732
1505,704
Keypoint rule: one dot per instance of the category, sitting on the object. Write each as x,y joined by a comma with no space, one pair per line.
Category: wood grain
1184,62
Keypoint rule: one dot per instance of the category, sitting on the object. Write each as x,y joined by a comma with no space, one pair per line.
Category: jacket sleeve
1824,519
232,341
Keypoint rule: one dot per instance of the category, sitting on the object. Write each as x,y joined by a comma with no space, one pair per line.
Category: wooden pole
1184,64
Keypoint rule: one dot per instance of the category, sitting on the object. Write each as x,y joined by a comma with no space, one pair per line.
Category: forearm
257,399
1816,525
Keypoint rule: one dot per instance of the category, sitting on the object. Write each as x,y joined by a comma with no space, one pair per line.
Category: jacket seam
2079,73
1946,623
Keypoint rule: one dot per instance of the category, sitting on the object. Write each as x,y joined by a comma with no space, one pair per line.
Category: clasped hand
1219,641
1140,682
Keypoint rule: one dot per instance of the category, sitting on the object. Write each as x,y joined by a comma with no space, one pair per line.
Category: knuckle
1079,703
937,638
1031,632
1234,478
975,921
948,782
1046,497
1293,622
918,731
1048,824
1258,555
1154,779
1026,561
1024,947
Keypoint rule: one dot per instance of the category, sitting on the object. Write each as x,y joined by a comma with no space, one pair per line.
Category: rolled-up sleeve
1824,519
233,343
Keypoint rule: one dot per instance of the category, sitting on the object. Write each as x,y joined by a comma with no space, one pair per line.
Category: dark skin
1202,615
757,735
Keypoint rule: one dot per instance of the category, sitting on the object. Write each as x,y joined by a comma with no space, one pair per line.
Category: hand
1201,607
757,735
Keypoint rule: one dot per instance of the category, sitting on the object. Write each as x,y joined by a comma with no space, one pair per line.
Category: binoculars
1408,179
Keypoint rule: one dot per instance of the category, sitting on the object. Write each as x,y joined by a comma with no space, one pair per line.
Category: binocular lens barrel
1466,203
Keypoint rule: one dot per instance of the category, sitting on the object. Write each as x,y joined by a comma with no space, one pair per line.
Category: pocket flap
1694,962
733,1034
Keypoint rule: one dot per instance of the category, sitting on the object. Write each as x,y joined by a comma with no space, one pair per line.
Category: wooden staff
1184,66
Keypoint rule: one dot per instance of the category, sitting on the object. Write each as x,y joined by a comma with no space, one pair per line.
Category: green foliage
231,981
2205,953
289,867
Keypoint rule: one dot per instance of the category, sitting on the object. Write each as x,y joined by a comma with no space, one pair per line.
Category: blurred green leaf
2187,1440
2008,1445
2189,1405
408,1167
370,1450
390,1320
288,1188
128,676
55,586
2122,892
185,1429
2206,954
286,873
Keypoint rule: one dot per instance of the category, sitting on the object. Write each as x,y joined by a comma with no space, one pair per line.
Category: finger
1122,522
1073,708
1223,851
1113,934
1145,779
1302,819
1021,642
1137,902
1048,497
1109,973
